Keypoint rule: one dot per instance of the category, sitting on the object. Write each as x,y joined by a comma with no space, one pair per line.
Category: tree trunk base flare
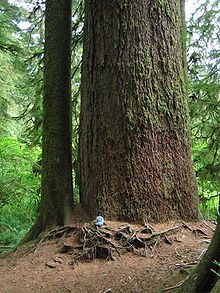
135,161
42,225
33,233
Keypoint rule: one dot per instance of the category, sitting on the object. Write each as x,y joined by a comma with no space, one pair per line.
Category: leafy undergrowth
19,190
134,259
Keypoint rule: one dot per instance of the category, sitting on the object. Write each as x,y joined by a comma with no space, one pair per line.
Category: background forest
21,83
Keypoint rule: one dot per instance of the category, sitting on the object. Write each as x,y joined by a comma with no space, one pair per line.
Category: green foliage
204,94
19,189
18,186
78,15
218,264
15,90
8,28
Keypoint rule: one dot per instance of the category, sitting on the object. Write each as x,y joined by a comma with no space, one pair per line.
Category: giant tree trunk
134,143
56,186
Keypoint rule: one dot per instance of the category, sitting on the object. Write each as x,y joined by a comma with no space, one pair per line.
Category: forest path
45,269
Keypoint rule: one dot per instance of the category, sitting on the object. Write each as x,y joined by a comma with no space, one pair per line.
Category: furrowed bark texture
134,145
56,186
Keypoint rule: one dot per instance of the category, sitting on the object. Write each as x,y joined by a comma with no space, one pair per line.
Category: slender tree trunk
134,143
204,278
56,186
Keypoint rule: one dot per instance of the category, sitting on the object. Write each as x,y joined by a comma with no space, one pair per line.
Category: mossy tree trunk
204,278
56,185
134,142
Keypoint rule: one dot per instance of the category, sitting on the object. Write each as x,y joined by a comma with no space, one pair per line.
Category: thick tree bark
134,143
204,278
56,186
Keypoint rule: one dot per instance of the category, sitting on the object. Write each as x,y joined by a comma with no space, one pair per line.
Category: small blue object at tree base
99,221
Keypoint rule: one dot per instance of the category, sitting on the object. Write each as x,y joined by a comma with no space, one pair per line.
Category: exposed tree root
90,242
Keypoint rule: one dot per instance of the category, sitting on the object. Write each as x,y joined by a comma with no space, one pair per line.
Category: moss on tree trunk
56,186
134,142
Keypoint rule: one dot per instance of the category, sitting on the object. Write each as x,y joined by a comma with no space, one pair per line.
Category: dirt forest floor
52,266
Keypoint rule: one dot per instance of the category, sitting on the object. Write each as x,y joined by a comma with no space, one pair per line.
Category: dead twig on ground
186,264
175,286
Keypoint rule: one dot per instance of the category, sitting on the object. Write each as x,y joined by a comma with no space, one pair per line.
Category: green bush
19,190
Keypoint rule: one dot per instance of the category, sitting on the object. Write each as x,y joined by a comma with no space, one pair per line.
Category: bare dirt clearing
158,265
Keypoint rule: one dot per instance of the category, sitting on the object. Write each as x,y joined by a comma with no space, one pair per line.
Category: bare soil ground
165,262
